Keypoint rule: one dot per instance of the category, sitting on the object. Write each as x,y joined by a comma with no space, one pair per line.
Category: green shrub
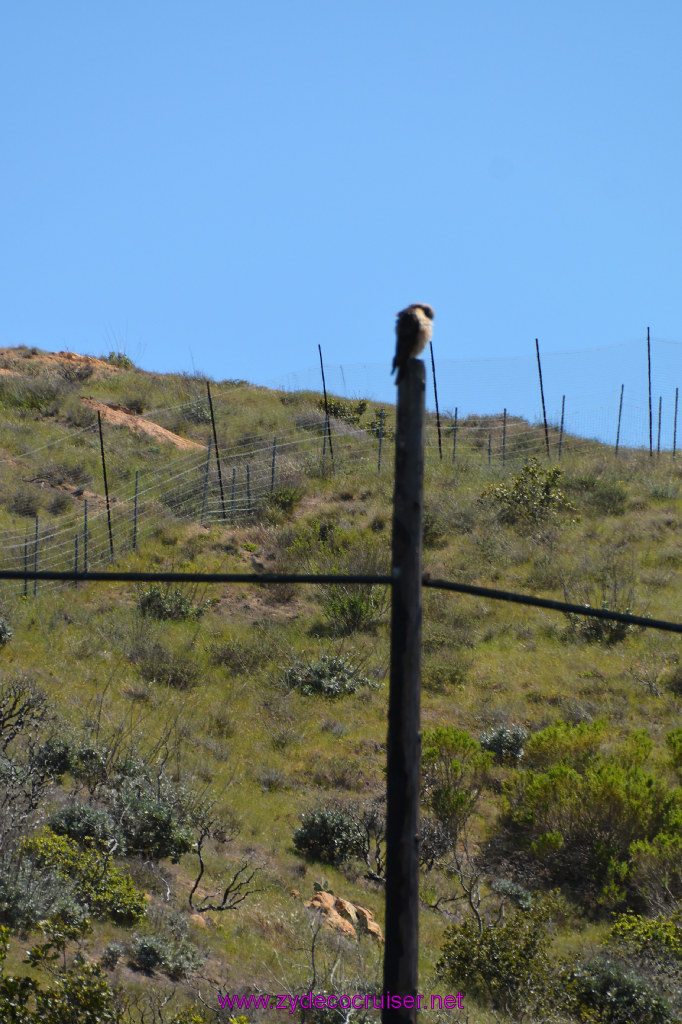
583,826
330,835
153,816
119,359
165,602
29,894
60,504
98,885
197,410
111,954
79,993
54,757
454,772
650,937
25,502
656,869
284,499
533,497
601,990
349,608
342,409
330,676
508,961
86,824
505,743
176,957
674,743
576,746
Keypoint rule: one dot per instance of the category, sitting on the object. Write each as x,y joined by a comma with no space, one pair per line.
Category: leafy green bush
284,499
576,746
650,936
584,826
98,885
29,894
119,359
86,824
153,815
602,990
330,835
349,608
55,756
176,957
454,772
166,602
508,961
533,497
656,869
330,676
111,954
505,743
79,993
342,409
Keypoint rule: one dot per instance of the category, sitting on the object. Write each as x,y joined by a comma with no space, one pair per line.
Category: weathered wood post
404,734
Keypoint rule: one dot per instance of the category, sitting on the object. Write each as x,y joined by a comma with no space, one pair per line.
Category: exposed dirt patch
121,417
12,360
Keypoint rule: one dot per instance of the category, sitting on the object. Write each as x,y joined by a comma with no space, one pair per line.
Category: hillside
187,766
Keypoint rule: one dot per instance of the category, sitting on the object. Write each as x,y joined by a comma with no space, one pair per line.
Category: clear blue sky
221,186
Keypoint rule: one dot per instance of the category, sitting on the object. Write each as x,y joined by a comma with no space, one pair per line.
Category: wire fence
257,470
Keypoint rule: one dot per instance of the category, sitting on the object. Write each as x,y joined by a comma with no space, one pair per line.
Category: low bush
576,746
119,359
601,990
330,835
585,827
505,743
97,884
330,676
533,497
165,602
176,958
86,825
508,961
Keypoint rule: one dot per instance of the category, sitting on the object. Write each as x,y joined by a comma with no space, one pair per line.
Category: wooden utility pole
404,735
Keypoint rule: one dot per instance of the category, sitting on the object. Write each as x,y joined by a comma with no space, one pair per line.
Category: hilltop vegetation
184,767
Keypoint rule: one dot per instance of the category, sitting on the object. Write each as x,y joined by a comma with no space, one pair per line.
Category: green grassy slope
197,683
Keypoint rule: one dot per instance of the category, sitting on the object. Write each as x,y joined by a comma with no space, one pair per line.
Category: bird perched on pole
413,330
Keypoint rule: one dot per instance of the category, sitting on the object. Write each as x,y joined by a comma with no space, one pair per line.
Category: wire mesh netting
256,470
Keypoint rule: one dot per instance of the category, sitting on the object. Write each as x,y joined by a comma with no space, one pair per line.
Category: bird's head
425,308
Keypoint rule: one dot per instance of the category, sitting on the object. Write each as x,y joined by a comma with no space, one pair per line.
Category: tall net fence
586,384
257,470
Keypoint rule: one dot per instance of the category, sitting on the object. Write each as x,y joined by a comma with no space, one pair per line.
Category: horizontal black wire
559,606
69,576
